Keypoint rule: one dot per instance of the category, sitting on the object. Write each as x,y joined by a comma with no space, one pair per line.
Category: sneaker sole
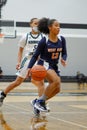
40,108
48,109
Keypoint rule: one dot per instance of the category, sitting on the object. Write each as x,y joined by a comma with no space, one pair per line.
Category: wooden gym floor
68,110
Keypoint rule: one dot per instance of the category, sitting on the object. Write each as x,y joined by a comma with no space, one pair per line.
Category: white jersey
29,42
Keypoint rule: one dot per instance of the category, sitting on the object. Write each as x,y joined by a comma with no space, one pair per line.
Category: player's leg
51,90
40,85
41,88
14,84
54,84
10,87
21,75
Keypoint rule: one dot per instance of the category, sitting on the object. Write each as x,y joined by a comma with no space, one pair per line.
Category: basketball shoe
35,110
40,105
47,104
2,96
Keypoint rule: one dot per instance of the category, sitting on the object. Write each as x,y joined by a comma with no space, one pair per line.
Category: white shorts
22,72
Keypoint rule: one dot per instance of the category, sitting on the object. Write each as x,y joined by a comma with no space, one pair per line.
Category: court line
13,106
25,112
69,122
13,113
50,112
76,112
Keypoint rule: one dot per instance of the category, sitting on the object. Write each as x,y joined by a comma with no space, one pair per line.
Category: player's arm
21,46
37,52
64,52
20,53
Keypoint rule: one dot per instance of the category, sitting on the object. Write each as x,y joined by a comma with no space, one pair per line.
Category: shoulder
42,42
23,37
22,41
61,37
43,39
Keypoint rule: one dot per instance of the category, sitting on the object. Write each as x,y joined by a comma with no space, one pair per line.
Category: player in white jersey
27,46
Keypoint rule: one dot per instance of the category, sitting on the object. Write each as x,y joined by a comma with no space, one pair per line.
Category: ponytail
44,23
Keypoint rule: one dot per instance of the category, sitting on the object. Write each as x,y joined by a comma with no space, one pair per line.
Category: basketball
38,72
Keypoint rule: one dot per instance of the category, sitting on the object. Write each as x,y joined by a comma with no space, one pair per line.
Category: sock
43,97
2,93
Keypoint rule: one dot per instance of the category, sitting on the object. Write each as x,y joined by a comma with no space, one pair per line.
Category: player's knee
18,81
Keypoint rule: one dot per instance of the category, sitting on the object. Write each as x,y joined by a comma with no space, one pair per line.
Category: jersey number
35,47
54,55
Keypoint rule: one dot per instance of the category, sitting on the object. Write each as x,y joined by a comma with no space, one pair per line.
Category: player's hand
63,62
18,66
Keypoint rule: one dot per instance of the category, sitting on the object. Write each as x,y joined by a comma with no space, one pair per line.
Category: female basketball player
27,44
50,51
